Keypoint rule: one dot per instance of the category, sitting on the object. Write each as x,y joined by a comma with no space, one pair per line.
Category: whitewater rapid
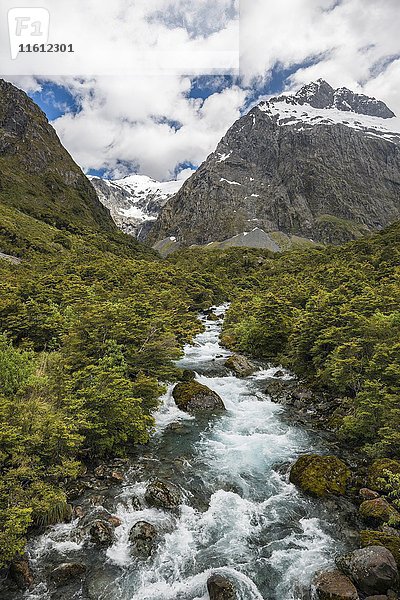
240,516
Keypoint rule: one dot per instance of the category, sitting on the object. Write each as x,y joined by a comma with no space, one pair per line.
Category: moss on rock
192,396
368,537
320,475
379,511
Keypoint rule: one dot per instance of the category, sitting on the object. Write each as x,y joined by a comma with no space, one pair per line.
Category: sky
202,64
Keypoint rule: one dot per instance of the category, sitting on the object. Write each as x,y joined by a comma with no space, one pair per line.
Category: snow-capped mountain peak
318,103
135,201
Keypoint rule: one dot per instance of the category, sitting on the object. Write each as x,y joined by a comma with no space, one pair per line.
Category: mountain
43,193
322,165
135,201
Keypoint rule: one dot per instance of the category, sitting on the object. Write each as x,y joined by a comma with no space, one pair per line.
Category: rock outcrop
142,537
220,588
66,572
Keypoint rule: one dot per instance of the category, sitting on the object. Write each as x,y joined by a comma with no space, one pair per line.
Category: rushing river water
240,516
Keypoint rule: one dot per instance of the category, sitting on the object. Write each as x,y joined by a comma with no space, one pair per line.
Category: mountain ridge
318,173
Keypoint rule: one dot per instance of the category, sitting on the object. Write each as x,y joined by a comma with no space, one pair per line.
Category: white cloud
346,39
121,122
144,118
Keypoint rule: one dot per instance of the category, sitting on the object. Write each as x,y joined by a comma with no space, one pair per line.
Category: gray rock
240,365
334,585
373,569
142,537
101,533
66,572
220,588
163,494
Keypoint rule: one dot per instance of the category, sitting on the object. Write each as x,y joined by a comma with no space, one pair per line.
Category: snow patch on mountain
319,104
136,200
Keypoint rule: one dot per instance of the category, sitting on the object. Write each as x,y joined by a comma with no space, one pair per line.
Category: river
240,517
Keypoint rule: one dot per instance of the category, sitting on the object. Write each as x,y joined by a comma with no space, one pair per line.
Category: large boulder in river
142,537
334,585
373,569
220,588
320,475
163,494
194,397
240,365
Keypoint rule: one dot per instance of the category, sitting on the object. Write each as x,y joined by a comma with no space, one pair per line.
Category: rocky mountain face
42,190
135,201
322,165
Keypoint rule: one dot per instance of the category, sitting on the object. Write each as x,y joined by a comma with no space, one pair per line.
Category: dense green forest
332,315
87,342
89,336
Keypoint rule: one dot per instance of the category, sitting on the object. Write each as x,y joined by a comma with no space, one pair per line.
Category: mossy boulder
379,511
377,473
240,365
320,475
391,541
194,397
187,375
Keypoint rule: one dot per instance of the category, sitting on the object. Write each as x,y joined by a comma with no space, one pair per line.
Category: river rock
379,511
194,397
220,588
373,569
390,539
66,572
142,537
334,585
187,375
240,365
367,494
163,494
21,572
101,533
212,317
279,373
320,475
377,473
